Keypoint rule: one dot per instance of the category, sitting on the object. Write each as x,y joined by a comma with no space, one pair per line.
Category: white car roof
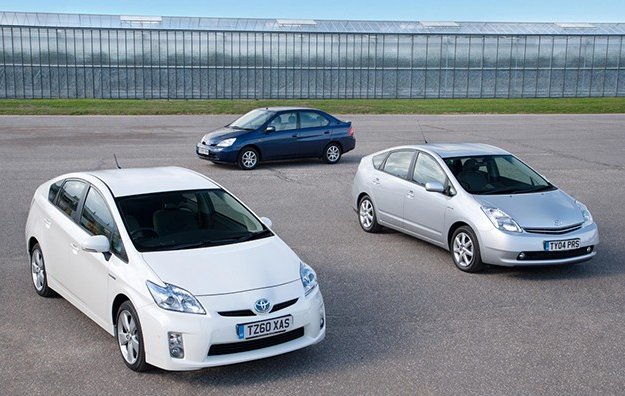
447,150
135,181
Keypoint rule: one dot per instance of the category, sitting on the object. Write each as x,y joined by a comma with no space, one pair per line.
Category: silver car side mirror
266,221
96,244
434,186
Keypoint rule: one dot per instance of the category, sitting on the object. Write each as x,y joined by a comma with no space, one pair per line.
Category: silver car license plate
263,328
555,246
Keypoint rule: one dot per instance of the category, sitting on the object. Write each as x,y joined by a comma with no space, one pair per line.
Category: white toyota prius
181,272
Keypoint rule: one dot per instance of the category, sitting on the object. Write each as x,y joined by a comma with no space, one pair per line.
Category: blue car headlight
309,278
501,220
585,212
226,142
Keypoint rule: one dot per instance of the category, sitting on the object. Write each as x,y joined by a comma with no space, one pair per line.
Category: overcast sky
415,10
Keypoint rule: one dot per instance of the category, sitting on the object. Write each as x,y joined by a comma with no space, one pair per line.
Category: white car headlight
226,142
501,220
173,298
585,212
309,278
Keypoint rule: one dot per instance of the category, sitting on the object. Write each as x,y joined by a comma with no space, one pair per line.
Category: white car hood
227,269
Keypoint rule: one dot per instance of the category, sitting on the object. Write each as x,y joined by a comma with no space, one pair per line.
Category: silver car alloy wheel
333,153
249,159
366,213
37,269
127,337
463,249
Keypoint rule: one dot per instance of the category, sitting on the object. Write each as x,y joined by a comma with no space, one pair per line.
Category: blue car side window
284,121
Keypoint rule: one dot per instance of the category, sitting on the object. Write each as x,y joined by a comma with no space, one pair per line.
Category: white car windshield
187,219
496,174
252,120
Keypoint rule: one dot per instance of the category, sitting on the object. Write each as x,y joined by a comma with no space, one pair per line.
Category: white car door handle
75,248
410,194
47,223
375,180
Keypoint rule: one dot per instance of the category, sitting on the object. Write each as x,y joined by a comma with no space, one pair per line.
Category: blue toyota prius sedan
277,133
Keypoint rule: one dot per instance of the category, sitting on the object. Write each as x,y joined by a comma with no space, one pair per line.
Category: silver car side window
427,170
398,163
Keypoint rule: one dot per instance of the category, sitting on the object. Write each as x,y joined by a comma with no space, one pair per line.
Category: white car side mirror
96,244
266,221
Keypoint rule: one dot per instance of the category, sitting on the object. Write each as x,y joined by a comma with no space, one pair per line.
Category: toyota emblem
262,306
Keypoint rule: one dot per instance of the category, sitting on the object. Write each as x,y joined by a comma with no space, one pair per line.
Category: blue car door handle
294,135
326,132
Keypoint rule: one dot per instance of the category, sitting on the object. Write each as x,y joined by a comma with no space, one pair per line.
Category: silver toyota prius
478,201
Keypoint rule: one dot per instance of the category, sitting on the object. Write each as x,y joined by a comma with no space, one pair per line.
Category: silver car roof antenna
422,134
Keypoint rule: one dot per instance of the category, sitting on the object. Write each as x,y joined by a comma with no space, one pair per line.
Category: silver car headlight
226,142
585,212
501,220
173,298
309,278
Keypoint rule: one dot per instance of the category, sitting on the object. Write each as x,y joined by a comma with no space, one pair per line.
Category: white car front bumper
201,332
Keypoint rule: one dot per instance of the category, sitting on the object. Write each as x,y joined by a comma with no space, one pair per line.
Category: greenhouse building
150,57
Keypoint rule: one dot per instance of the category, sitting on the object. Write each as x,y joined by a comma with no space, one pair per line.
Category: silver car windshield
252,120
496,174
187,219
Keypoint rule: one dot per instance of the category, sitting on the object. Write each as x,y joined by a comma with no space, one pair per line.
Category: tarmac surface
401,318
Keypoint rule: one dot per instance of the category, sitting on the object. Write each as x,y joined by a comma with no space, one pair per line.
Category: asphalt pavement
401,318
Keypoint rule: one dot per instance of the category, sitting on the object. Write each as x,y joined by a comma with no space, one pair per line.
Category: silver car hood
551,209
227,269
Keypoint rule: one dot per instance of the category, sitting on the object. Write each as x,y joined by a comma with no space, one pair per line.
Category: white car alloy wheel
127,337
38,270
130,338
333,153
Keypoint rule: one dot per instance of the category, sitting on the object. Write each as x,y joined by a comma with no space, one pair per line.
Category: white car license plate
203,150
262,328
569,244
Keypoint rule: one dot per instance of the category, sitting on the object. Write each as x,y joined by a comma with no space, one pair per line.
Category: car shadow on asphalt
602,265
296,163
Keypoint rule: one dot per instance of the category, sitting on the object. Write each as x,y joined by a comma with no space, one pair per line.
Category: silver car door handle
410,194
375,180
47,223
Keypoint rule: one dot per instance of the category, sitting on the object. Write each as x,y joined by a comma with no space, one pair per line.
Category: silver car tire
366,215
332,153
248,158
130,337
38,272
465,250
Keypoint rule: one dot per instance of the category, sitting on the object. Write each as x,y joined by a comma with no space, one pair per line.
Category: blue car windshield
252,120
496,174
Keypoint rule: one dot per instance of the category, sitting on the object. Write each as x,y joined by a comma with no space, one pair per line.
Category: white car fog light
176,346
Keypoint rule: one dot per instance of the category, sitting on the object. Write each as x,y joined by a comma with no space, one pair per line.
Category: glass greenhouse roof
306,25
